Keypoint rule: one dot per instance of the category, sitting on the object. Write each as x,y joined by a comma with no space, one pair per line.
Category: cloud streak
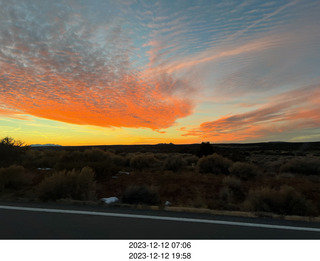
289,112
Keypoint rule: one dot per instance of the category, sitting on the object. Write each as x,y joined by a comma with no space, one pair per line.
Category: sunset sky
77,72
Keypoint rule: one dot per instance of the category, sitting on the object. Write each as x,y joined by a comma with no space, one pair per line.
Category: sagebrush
74,184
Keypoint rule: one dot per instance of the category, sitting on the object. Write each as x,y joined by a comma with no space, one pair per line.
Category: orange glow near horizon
42,131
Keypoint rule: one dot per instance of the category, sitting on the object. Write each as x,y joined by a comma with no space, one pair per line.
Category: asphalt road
78,222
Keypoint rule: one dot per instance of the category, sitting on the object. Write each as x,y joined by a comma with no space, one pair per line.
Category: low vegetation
267,178
215,164
79,185
140,195
285,201
13,177
302,165
175,163
243,170
141,161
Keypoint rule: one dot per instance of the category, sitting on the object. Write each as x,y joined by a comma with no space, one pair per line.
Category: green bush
12,177
306,166
72,184
243,170
140,195
285,201
214,164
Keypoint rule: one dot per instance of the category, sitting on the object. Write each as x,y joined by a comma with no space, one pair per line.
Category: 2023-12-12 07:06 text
161,245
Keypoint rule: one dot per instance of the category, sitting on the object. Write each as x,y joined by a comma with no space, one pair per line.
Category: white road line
207,221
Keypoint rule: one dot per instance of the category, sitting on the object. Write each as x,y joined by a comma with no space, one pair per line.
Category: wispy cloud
265,18
274,47
291,111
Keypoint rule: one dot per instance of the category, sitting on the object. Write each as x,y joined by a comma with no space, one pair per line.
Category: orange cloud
128,101
285,113
12,114
66,74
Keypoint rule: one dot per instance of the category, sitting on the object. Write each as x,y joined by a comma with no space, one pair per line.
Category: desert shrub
195,198
214,164
243,170
235,185
175,163
285,201
161,156
31,158
69,160
231,191
103,169
119,160
12,177
96,154
41,159
307,166
232,182
143,161
103,163
140,195
227,198
191,160
68,184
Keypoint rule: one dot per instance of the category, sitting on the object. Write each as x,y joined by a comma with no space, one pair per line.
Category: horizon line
171,143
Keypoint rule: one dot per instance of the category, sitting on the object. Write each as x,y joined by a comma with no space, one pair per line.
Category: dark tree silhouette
205,149
11,151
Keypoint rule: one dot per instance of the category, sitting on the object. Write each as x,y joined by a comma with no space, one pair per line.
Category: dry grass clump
214,164
231,193
13,177
285,201
235,185
79,185
139,194
306,166
243,170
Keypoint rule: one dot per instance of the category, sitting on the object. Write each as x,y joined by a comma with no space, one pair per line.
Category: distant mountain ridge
45,145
